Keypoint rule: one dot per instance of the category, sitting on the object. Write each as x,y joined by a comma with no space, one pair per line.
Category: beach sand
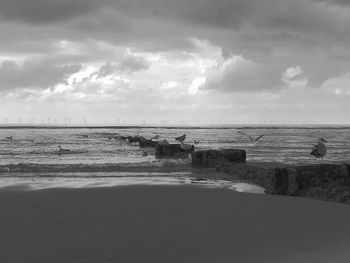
169,224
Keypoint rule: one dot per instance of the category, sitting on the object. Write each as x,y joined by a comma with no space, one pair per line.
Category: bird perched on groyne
319,150
250,138
181,138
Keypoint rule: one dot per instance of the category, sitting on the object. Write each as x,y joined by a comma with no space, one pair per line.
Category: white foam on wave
124,179
173,162
248,188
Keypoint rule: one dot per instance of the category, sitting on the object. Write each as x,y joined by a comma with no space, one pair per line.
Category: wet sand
169,224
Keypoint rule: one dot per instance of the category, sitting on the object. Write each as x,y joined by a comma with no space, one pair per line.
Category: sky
175,61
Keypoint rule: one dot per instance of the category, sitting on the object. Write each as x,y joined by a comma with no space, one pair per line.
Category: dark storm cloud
45,11
164,24
219,13
336,2
35,74
134,16
273,34
304,20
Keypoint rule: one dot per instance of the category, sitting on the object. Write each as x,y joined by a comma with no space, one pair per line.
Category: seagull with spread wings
250,138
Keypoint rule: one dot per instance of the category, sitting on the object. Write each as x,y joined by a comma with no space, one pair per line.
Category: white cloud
196,84
294,77
293,72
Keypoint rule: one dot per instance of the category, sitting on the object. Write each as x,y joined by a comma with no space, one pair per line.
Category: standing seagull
250,138
181,138
319,150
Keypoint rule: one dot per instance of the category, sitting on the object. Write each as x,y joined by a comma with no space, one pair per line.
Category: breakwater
324,181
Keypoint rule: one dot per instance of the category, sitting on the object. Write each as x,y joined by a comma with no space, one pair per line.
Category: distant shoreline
281,126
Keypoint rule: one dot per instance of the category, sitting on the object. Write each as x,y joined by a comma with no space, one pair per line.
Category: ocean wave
156,166
99,175
173,162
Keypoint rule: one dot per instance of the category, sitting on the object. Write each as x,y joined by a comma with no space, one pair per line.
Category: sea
31,159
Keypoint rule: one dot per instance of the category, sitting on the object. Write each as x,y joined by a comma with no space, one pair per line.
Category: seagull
9,138
181,138
250,138
319,150
195,142
61,150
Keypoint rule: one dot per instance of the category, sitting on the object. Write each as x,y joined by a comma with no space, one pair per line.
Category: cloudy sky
175,61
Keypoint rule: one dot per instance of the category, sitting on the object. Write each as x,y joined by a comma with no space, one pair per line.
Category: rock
278,182
347,180
136,138
171,150
139,140
147,143
257,175
214,158
233,155
187,147
314,175
322,181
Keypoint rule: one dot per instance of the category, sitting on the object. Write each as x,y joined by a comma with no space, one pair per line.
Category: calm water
91,147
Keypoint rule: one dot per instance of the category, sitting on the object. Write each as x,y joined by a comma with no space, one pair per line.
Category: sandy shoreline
169,224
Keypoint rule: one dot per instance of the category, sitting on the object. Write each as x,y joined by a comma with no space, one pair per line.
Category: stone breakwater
212,158
329,182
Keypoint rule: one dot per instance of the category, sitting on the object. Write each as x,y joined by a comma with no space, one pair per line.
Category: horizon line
173,126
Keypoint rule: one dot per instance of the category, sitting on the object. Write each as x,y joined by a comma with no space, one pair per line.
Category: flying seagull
319,150
9,138
250,138
181,138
